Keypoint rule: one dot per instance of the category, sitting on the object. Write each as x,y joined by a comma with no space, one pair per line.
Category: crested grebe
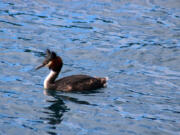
69,83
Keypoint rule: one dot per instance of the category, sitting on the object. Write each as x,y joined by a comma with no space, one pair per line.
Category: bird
70,83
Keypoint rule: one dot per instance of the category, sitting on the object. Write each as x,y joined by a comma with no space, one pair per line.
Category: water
135,43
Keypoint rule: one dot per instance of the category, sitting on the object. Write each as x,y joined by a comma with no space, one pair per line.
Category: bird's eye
49,64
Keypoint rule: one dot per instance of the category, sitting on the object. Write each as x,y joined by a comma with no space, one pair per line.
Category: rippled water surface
136,43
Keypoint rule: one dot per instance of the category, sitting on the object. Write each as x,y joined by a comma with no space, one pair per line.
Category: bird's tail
104,81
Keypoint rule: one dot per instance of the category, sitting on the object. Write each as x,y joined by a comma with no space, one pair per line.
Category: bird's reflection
57,108
54,112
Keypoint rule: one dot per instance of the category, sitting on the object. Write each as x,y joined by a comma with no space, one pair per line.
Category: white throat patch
46,81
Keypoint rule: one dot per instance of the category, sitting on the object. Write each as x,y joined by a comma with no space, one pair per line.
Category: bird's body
69,83
74,83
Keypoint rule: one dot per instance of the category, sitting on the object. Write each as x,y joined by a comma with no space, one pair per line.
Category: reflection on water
57,108
54,111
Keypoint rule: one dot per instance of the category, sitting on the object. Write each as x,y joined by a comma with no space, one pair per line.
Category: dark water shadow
36,53
60,95
86,92
54,112
57,108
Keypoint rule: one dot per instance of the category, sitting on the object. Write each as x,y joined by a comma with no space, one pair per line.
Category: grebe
69,83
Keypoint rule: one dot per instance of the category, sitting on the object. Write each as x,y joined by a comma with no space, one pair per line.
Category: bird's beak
42,65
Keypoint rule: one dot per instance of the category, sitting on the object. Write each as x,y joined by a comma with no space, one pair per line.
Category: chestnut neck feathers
56,64
52,61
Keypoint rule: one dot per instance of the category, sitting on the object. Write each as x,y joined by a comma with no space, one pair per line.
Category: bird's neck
50,79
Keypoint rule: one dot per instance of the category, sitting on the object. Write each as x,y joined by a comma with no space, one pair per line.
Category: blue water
135,43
